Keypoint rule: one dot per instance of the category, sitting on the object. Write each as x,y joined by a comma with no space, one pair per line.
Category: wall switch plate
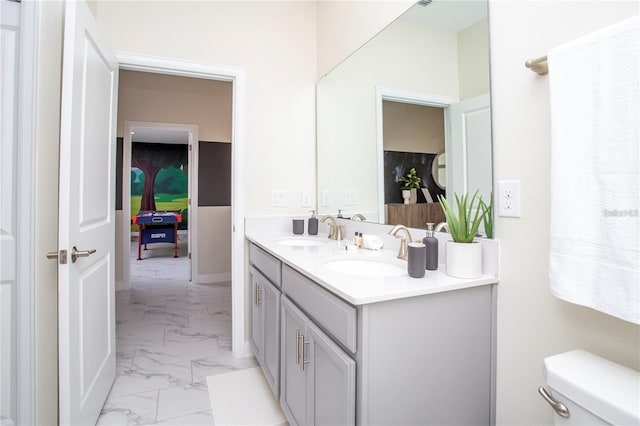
325,199
278,198
305,199
350,198
509,198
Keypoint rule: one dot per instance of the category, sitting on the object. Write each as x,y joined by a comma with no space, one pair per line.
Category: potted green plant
410,185
463,255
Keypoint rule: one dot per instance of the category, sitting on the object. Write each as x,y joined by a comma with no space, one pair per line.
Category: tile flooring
170,335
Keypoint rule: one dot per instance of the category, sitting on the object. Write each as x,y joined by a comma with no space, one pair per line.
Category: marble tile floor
170,335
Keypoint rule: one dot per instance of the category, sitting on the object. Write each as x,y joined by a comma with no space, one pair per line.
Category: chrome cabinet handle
256,294
560,408
75,253
304,361
298,346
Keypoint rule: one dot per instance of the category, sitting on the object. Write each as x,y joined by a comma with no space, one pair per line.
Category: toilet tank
595,390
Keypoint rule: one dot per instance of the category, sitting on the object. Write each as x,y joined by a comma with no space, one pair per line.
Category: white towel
594,253
372,242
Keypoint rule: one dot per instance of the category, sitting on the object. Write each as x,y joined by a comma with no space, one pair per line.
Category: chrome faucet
404,251
335,230
441,226
358,216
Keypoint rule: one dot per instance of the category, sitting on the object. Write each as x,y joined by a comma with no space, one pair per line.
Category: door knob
75,253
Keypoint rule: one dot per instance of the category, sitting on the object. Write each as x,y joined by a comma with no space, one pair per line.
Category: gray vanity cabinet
318,377
264,336
421,360
265,325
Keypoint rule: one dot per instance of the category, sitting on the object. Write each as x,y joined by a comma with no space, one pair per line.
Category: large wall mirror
416,95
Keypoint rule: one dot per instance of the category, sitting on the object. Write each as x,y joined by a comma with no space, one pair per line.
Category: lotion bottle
431,242
312,227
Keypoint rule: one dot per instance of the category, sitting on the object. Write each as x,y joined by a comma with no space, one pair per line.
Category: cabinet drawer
332,313
265,263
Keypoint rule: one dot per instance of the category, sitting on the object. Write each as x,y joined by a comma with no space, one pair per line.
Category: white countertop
357,290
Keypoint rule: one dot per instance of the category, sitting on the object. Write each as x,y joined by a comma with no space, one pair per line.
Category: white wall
412,128
531,323
473,64
275,43
344,26
347,150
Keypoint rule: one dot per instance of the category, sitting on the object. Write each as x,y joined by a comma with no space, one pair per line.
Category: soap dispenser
432,248
312,227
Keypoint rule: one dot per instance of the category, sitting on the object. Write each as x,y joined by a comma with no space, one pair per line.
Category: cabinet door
256,337
293,392
269,299
331,380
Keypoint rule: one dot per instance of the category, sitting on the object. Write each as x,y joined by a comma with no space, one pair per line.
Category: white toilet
595,391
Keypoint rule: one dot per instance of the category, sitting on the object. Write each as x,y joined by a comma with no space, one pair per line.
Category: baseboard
214,278
248,352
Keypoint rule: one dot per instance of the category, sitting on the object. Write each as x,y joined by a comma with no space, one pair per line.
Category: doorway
236,76
162,136
413,98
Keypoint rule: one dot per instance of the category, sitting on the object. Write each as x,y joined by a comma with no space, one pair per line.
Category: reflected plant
488,218
410,180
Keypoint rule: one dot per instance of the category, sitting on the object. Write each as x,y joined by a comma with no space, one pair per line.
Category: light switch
305,199
325,199
350,198
278,198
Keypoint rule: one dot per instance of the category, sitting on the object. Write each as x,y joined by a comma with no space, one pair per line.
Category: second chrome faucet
335,230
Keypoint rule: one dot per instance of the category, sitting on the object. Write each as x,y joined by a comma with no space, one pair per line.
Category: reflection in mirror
438,170
418,89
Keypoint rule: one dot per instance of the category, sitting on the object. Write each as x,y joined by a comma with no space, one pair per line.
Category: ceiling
159,135
448,15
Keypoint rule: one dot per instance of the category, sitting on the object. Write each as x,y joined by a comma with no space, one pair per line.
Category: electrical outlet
278,198
509,198
325,199
305,199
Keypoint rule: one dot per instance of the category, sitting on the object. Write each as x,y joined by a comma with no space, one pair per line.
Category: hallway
170,335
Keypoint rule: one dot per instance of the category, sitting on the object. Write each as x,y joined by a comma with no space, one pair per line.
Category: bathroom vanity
346,348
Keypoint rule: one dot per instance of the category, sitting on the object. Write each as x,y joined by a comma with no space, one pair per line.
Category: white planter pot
406,195
463,260
413,196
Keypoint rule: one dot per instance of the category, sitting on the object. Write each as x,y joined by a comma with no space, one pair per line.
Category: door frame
26,259
415,98
192,231
237,76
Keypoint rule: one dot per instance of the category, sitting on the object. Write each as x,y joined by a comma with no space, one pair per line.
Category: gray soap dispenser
312,227
432,248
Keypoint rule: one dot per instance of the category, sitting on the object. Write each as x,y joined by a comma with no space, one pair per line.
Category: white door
469,152
86,328
9,274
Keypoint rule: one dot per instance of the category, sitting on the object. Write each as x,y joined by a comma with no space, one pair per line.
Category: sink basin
301,242
367,267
